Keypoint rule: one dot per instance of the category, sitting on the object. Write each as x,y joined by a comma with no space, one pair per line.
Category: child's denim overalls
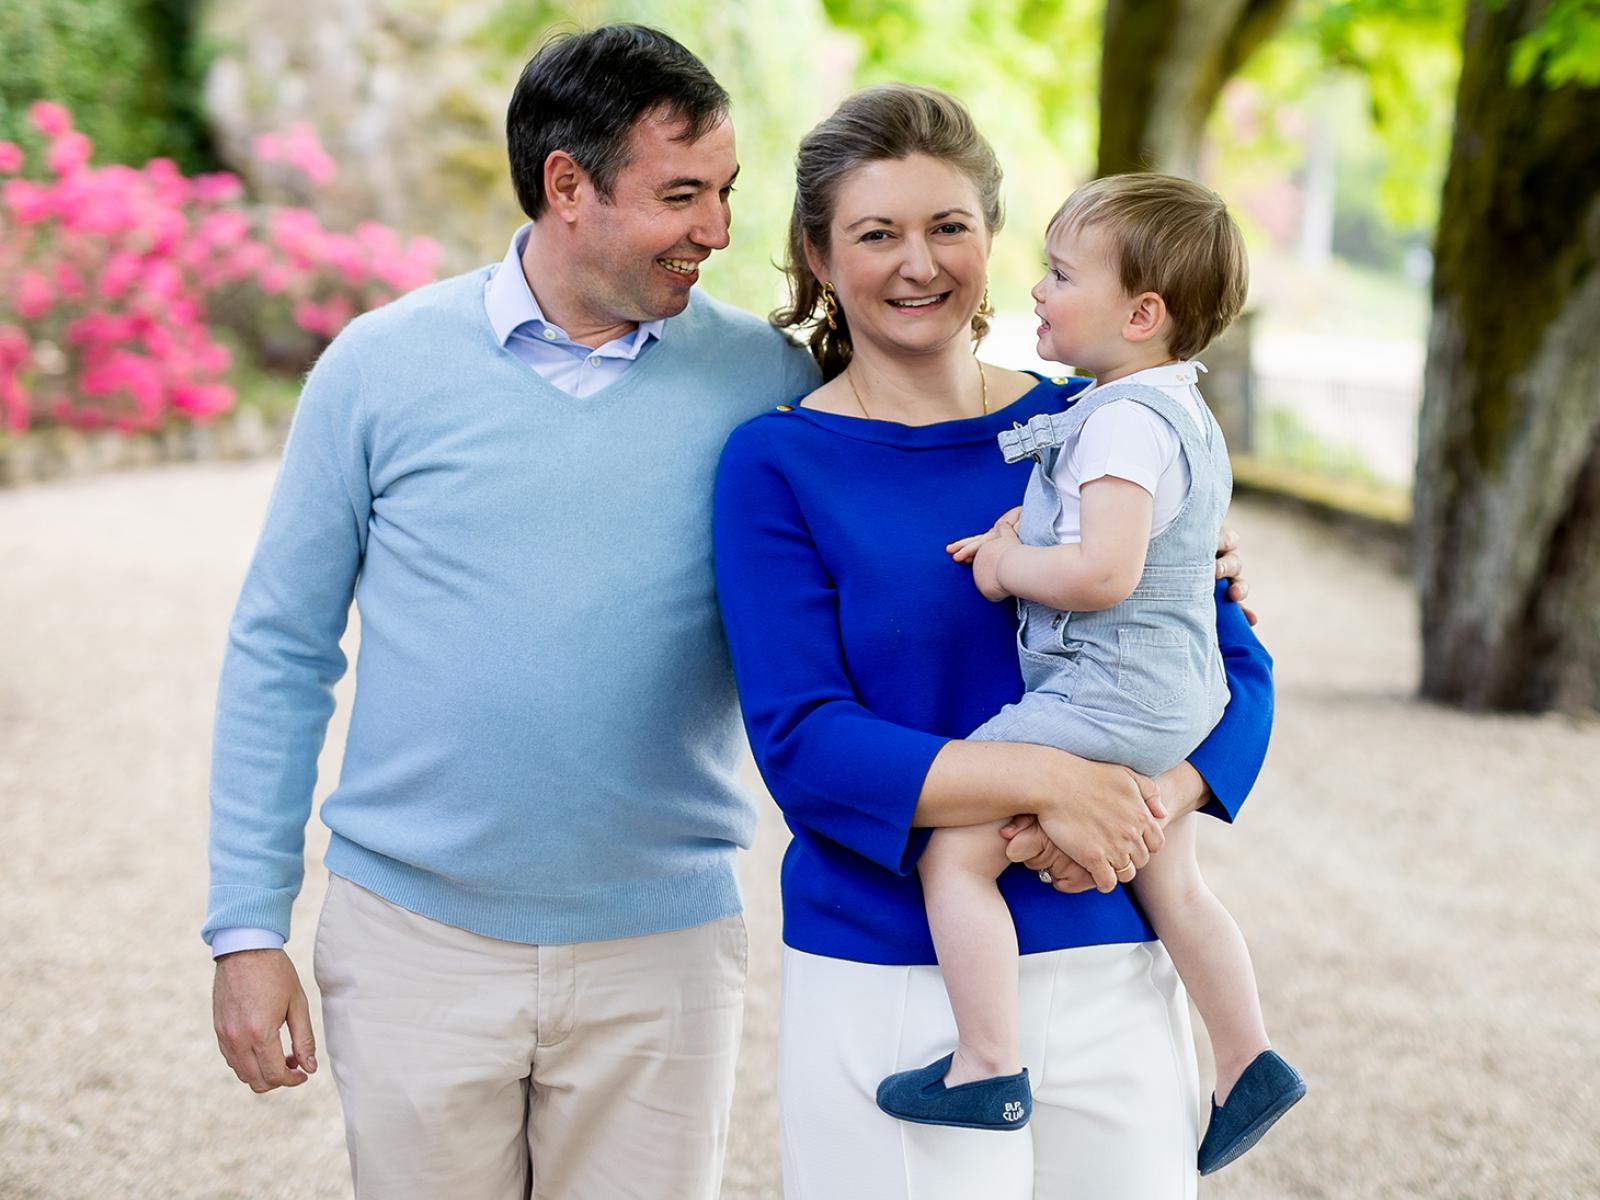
1140,683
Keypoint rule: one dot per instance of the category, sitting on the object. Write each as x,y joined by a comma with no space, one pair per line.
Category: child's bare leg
1208,951
977,947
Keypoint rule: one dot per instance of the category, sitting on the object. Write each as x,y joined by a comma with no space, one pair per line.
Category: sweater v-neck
638,375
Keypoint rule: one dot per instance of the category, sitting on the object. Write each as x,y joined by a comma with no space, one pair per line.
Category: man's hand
1229,566
254,994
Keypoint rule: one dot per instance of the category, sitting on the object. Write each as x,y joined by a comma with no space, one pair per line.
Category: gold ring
1127,866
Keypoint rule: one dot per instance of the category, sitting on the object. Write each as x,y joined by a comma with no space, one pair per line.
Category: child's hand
986,562
966,549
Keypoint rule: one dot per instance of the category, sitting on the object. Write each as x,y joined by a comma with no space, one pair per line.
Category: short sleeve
1128,440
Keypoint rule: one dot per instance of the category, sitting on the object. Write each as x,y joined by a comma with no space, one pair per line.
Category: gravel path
1419,886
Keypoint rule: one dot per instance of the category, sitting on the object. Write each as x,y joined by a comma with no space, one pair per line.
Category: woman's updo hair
891,121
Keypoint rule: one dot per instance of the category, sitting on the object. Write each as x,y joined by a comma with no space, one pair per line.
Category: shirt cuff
231,941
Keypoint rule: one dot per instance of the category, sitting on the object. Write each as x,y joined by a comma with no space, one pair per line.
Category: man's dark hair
583,92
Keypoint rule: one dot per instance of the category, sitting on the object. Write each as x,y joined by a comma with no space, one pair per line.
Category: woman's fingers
1071,878
1105,878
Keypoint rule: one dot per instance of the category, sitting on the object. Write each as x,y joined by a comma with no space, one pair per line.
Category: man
531,957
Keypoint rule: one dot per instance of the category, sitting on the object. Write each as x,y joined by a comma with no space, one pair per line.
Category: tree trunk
1162,66
1508,463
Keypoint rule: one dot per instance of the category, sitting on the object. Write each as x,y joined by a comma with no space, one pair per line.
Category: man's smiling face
667,212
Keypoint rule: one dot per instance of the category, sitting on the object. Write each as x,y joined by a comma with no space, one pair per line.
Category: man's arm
273,705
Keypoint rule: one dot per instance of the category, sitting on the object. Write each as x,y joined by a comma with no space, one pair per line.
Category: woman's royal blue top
860,648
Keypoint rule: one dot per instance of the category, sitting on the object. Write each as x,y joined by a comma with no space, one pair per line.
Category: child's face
1081,303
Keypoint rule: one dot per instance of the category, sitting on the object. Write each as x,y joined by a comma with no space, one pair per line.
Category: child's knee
1175,885
964,850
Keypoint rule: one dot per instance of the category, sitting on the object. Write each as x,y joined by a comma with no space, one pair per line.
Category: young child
1111,561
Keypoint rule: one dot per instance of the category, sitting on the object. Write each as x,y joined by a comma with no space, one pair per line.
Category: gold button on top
785,408
1058,380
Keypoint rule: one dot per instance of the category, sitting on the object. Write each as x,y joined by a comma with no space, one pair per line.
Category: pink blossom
267,147
298,233
13,400
224,229
217,188
310,317
274,279
32,295
119,274
69,282
29,203
123,264
70,152
14,346
202,399
303,150
52,120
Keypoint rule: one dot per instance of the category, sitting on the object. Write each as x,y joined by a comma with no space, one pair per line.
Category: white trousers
1105,1038
477,1069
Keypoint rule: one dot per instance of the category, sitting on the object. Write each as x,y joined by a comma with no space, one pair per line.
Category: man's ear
1147,318
565,183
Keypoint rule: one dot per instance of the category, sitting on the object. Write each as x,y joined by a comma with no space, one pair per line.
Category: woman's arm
833,765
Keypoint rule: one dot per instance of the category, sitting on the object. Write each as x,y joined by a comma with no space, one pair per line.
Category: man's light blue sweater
545,731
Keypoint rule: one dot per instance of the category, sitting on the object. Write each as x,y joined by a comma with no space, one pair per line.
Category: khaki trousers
476,1069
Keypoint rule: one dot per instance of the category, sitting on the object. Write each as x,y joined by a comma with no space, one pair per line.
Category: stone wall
402,94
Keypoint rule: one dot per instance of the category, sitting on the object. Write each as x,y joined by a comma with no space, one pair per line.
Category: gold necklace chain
983,382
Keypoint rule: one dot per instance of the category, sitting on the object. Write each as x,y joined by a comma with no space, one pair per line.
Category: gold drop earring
830,307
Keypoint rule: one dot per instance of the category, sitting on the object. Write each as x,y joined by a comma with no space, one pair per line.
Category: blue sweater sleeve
283,656
831,765
1231,756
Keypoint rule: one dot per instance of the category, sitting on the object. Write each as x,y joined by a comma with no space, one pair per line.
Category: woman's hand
1182,790
1230,564
1104,817
1027,844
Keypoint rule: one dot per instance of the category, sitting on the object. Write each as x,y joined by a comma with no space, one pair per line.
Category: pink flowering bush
114,280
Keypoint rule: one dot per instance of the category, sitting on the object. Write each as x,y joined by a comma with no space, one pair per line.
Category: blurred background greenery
1349,98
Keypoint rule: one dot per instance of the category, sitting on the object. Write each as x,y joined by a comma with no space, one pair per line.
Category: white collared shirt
522,329
1132,442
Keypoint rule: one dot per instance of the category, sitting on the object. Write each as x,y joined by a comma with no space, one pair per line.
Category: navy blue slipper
1003,1102
1268,1088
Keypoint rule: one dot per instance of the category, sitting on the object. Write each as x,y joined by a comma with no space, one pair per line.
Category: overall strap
1046,431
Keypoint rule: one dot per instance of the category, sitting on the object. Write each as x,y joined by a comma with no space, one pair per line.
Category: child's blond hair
1173,237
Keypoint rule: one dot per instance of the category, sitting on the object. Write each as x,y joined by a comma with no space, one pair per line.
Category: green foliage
1563,48
1402,57
128,69
1029,71
783,69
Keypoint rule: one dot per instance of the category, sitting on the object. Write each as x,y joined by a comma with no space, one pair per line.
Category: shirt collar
510,303
1168,374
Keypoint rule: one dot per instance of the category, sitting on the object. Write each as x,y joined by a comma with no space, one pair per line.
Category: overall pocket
1152,665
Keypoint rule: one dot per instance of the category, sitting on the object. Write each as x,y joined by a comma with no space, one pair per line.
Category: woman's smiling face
909,255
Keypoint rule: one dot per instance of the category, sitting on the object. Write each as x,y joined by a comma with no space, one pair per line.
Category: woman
863,653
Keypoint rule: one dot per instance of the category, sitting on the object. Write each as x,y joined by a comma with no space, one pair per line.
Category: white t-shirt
1130,441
